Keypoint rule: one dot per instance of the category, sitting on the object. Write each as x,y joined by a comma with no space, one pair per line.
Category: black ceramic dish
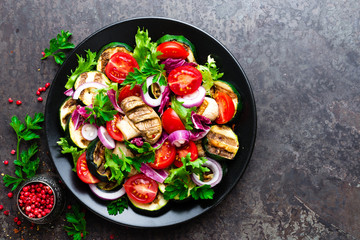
245,124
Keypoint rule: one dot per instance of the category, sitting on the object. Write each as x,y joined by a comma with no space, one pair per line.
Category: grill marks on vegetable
144,118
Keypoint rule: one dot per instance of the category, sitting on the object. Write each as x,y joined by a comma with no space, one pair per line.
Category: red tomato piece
119,66
183,151
127,92
141,188
172,50
184,80
226,108
171,121
113,130
164,156
82,170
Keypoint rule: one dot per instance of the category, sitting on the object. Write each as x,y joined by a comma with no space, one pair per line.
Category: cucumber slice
65,111
190,48
107,51
75,137
221,143
154,208
87,96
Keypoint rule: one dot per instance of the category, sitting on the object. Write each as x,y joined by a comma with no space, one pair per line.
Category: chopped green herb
61,42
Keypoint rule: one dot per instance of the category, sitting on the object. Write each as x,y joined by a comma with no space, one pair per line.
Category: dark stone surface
302,59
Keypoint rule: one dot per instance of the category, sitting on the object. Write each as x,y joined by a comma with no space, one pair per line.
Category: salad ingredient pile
149,123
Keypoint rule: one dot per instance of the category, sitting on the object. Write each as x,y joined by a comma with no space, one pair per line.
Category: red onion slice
162,139
89,132
77,119
215,167
105,138
179,138
107,195
194,99
87,85
69,92
112,96
152,102
157,175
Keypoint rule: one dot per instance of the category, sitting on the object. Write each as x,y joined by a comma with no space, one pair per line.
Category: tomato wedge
82,170
184,80
183,151
172,50
113,130
226,108
164,156
141,188
119,66
127,92
171,121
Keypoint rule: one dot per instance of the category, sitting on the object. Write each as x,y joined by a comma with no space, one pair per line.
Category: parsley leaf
61,42
183,112
67,148
117,206
202,192
146,56
76,218
102,110
146,151
83,66
210,73
24,166
118,166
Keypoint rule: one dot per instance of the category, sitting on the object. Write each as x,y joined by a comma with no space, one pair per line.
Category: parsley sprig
118,206
180,184
61,42
67,148
146,151
102,110
84,65
77,229
146,56
24,166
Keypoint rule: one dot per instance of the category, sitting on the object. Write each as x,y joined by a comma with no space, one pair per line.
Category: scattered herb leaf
61,42
77,229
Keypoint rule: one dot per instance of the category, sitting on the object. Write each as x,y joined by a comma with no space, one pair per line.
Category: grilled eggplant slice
221,143
75,136
144,118
66,109
95,159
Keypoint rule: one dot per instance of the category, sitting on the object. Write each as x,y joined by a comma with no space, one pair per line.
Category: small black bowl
53,183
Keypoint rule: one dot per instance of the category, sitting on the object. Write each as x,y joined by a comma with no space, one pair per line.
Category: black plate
125,31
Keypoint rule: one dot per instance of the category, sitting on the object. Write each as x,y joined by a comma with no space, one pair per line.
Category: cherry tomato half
183,151
113,130
226,108
172,50
127,92
184,80
82,170
164,156
171,121
119,66
141,188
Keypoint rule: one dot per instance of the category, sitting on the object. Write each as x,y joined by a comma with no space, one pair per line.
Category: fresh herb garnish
83,66
67,148
77,229
210,73
183,112
117,206
146,151
146,56
179,180
24,166
102,110
61,42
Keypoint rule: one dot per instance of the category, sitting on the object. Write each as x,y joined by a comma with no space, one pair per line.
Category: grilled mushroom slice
143,117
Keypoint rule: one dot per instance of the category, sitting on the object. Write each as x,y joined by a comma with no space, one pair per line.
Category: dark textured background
302,59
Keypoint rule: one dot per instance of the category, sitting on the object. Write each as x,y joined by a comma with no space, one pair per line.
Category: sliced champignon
143,117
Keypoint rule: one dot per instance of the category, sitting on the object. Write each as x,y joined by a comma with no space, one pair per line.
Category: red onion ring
146,96
69,92
112,96
87,85
194,99
105,138
107,195
215,167
179,138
